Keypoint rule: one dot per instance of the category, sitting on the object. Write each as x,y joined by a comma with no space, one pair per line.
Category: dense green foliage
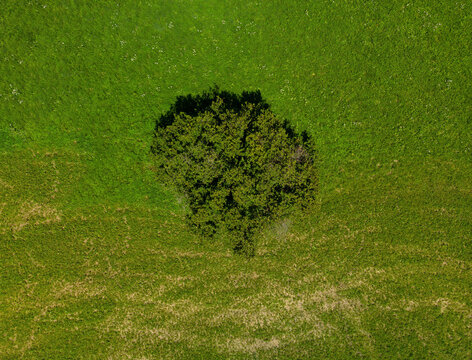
237,163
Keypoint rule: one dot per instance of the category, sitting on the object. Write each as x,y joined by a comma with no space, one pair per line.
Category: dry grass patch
251,319
3,224
77,289
131,331
32,213
330,300
243,279
175,253
250,345
139,327
5,184
443,304
150,297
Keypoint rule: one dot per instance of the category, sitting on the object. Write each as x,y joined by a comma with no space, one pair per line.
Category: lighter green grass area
95,259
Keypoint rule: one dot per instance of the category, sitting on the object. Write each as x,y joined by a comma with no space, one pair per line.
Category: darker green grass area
95,259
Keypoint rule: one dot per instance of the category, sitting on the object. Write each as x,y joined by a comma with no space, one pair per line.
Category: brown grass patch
243,279
131,324
252,319
77,289
32,213
251,345
330,300
5,184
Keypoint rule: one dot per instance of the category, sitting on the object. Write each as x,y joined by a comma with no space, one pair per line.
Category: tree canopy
237,163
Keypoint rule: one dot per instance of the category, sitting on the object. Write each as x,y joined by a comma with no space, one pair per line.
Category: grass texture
95,260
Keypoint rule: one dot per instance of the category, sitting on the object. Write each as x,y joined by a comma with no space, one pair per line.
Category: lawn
95,257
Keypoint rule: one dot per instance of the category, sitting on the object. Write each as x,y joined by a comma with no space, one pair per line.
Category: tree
236,162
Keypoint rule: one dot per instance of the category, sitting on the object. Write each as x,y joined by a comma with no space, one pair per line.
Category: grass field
95,259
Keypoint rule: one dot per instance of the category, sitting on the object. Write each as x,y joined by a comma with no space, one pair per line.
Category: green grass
95,260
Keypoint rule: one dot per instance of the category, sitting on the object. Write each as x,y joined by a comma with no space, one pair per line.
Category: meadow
95,257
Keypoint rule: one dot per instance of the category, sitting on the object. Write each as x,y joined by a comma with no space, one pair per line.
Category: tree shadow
193,105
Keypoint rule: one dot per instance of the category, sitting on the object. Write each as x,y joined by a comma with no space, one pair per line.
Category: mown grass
95,259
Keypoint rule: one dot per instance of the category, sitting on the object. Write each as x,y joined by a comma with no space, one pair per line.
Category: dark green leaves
237,163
